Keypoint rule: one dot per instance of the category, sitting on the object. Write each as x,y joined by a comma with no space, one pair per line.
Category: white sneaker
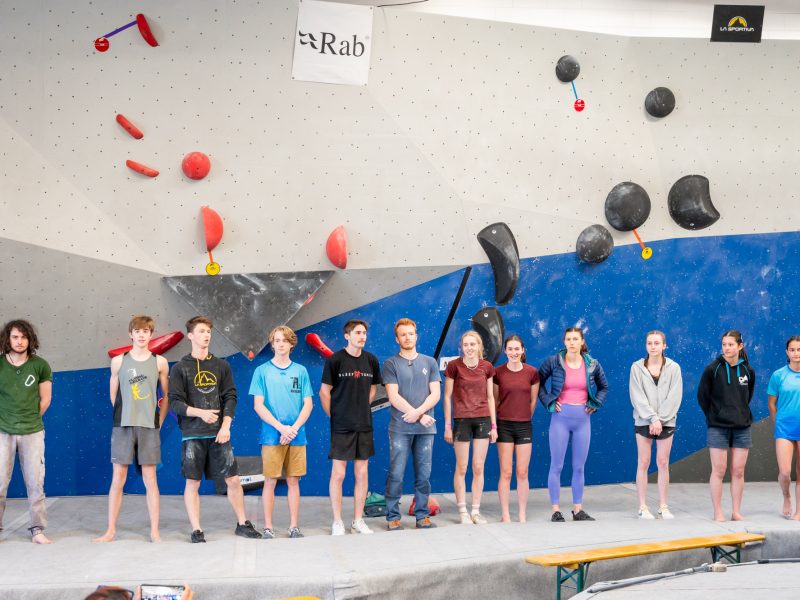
665,513
644,513
465,519
478,519
360,526
337,528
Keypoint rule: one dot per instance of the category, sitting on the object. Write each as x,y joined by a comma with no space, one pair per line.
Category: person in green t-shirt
26,385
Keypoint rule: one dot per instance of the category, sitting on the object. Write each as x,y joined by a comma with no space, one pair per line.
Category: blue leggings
573,419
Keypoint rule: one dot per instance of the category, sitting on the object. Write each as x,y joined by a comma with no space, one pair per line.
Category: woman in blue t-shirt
783,396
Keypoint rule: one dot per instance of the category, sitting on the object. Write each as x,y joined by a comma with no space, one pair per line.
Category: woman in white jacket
656,390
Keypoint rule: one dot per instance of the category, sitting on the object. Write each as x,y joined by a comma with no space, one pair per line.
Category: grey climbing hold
489,324
500,246
627,206
567,68
690,203
659,102
594,244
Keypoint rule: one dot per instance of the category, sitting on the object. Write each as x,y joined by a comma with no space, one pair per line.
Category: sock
462,507
476,508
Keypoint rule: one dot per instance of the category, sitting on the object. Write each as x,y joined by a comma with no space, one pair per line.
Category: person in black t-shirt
349,378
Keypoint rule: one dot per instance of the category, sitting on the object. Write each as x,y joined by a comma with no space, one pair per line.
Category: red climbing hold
157,345
130,127
140,168
313,340
196,165
144,29
212,224
336,247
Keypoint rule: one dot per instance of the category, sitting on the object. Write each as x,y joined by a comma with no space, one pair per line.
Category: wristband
448,427
494,426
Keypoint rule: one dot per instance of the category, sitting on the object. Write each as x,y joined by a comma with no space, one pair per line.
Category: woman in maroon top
516,387
469,397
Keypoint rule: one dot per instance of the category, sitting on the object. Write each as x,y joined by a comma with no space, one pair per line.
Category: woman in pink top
469,398
516,386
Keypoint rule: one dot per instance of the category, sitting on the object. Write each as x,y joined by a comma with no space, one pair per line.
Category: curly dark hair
26,329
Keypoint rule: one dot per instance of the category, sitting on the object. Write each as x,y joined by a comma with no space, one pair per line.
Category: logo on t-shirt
30,380
424,370
205,382
743,380
137,393
356,374
295,385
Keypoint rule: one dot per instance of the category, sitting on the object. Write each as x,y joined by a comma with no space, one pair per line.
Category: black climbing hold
690,203
627,206
500,246
659,102
489,325
567,68
594,244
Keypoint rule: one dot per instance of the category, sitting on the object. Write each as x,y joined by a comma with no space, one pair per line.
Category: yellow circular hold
647,252
212,268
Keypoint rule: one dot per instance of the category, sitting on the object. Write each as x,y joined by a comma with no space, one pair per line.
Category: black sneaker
198,537
247,530
581,516
557,517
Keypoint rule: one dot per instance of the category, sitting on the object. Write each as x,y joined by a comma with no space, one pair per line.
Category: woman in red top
516,387
469,397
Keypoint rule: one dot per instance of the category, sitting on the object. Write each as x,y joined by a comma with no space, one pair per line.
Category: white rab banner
332,43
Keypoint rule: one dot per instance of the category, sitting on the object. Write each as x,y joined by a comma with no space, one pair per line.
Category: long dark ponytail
584,347
737,335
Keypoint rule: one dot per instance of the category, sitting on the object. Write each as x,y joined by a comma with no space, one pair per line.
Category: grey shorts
729,437
143,443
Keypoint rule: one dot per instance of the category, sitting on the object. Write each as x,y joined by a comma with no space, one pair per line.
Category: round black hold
690,203
567,68
659,102
594,244
627,206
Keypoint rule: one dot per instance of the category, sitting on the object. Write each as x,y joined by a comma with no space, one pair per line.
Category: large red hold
144,29
212,224
157,345
196,165
313,340
336,247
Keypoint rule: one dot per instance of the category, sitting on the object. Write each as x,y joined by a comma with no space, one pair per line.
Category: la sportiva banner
737,23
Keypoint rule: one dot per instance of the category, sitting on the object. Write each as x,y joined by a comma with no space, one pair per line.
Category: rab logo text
324,42
205,382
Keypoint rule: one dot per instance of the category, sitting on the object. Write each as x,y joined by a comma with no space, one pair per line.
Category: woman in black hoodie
726,388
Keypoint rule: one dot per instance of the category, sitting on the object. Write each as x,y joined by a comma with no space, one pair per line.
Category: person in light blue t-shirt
783,396
282,398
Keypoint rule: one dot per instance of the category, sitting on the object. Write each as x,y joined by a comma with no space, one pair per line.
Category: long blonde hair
477,336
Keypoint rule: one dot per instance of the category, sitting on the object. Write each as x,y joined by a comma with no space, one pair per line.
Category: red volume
144,30
140,168
157,345
313,340
130,127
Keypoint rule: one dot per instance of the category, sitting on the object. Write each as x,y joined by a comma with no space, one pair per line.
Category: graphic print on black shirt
351,378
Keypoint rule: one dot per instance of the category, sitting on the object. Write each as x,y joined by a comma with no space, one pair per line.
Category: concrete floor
451,561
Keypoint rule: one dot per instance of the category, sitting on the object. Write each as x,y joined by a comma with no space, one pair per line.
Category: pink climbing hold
196,165
336,247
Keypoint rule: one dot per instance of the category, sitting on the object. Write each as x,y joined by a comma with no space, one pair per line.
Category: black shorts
514,432
356,445
644,431
207,456
472,428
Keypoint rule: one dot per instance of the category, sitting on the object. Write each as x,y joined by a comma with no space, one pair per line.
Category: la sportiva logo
205,382
325,42
737,24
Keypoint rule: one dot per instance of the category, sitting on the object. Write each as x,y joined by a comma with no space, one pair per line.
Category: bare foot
523,519
505,519
41,538
787,507
737,517
108,536
155,537
796,516
719,517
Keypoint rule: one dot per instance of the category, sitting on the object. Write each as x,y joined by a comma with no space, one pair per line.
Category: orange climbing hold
212,223
336,247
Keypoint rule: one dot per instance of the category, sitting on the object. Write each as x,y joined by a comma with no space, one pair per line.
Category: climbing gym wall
463,124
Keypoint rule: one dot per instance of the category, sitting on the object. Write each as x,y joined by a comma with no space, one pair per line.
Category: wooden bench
574,566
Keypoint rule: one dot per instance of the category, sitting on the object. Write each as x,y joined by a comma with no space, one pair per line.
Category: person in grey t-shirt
413,384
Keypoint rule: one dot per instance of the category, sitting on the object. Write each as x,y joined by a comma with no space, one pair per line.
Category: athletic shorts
356,445
729,437
283,460
644,431
141,443
514,432
472,428
206,456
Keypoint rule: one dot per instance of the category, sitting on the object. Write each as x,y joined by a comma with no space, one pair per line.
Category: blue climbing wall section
693,289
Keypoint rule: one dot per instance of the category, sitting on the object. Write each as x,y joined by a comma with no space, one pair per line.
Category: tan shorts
283,461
